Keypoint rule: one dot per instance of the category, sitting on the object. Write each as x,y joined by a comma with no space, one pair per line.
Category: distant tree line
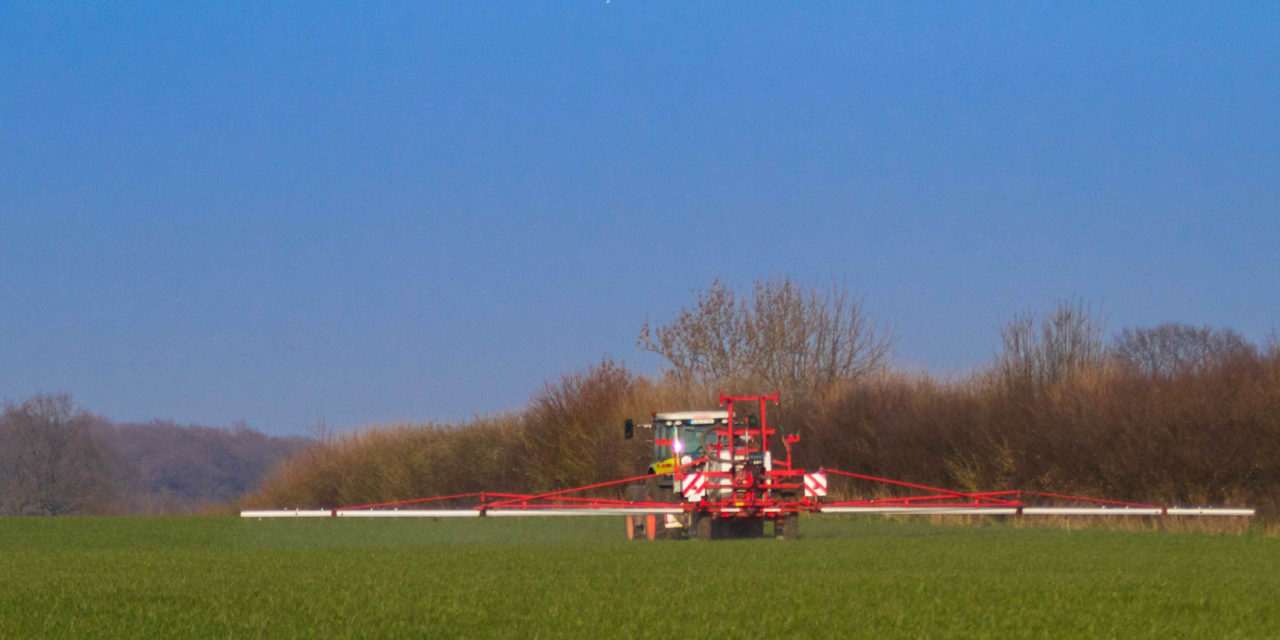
57,459
1170,414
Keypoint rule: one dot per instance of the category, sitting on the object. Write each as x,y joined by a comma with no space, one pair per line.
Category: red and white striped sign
815,484
695,484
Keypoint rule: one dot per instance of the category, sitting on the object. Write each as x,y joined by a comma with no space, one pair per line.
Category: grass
574,577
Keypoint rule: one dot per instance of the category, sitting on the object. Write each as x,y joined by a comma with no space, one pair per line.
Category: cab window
662,432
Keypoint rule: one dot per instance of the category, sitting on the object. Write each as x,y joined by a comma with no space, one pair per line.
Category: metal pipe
1210,511
533,513
410,513
287,513
930,511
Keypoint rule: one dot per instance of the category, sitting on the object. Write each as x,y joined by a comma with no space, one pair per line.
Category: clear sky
375,211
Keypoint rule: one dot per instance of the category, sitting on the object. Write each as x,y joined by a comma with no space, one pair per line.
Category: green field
573,577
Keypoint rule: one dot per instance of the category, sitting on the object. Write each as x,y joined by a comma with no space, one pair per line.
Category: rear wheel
635,524
702,526
635,492
788,528
657,493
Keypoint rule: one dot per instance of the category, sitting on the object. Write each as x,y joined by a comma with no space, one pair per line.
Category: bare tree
783,335
705,343
1066,341
1174,349
50,464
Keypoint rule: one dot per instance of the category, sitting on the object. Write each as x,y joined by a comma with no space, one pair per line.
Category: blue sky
369,212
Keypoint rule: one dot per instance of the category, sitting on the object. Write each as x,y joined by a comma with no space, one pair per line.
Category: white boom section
409,513
1091,511
925,511
1210,511
457,513
602,511
287,513
1047,511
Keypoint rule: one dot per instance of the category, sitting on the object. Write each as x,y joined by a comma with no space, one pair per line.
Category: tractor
720,468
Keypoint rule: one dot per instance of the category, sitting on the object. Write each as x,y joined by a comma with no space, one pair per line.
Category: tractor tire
635,527
788,528
635,524
702,526
635,492
656,493
653,528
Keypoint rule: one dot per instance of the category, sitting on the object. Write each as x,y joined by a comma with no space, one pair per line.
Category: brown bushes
1208,437
379,464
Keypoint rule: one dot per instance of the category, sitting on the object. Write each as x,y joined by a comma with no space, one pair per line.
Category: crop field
574,577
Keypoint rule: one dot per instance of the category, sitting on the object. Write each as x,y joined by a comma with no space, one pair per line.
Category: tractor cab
681,435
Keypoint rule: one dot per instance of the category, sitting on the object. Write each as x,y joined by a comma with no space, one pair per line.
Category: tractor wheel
653,492
788,528
635,492
656,493
702,526
653,528
635,524
635,527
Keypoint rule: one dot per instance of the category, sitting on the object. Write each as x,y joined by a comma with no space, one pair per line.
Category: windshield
690,440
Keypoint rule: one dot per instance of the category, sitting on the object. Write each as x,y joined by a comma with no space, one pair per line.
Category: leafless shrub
1066,341
1173,349
782,336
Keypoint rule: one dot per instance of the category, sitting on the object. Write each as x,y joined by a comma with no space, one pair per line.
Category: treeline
1166,414
57,459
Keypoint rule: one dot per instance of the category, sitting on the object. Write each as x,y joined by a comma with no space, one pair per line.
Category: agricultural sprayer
727,473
